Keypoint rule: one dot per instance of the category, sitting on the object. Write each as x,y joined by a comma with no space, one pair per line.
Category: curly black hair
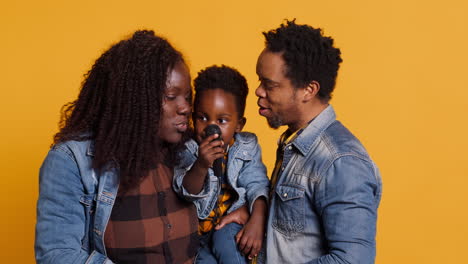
308,55
226,78
119,106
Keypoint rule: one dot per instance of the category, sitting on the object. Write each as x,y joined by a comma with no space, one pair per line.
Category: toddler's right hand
209,150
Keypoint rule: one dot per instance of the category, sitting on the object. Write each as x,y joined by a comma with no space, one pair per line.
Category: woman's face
176,105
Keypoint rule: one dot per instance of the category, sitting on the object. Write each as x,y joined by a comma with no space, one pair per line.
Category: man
325,189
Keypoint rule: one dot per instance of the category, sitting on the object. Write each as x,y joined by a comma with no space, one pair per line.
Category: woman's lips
181,127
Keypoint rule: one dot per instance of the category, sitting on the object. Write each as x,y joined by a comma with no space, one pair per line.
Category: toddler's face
217,107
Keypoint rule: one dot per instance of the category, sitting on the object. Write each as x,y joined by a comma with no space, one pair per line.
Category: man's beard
275,122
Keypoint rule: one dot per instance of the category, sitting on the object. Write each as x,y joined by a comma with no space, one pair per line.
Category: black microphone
218,163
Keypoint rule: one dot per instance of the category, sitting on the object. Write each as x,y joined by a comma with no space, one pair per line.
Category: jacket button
289,147
285,195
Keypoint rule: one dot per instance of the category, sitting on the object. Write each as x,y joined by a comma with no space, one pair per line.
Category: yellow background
402,89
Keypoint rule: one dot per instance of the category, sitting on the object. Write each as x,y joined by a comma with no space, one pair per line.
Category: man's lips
263,110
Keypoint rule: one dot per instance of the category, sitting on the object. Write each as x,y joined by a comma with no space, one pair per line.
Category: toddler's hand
250,238
210,150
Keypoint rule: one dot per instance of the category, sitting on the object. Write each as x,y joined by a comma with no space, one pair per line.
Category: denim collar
307,138
90,149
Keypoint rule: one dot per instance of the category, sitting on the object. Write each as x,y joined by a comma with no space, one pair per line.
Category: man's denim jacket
246,174
324,206
74,206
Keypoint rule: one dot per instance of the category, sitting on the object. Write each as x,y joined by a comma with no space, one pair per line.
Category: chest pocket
289,210
89,205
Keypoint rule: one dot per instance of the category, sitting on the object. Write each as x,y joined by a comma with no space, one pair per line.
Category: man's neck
307,115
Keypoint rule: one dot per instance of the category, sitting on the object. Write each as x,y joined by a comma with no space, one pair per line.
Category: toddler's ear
241,124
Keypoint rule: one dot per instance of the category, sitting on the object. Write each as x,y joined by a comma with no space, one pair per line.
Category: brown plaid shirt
150,224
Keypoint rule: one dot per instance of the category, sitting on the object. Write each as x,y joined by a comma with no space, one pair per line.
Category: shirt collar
306,139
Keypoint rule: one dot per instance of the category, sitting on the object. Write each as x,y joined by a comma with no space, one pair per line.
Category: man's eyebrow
267,80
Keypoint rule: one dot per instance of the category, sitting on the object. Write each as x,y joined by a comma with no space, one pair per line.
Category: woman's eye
170,97
222,121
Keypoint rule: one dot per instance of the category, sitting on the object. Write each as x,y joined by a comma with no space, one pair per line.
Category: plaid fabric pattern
225,199
284,140
150,224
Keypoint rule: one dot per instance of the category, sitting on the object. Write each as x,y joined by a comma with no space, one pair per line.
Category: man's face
276,95
176,105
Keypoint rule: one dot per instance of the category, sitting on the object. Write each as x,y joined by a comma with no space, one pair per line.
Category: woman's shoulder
75,148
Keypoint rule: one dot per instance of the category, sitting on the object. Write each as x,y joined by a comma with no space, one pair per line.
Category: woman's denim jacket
246,174
324,207
74,206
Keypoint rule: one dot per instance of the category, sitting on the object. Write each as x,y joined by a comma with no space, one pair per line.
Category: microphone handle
218,167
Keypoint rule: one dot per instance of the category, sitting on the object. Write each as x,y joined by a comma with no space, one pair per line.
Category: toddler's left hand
250,237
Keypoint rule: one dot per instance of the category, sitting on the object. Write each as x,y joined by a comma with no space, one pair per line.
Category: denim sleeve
253,177
61,220
187,159
347,199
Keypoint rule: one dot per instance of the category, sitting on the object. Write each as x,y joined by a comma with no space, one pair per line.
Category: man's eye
266,85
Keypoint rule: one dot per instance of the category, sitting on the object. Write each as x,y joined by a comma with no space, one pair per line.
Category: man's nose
260,92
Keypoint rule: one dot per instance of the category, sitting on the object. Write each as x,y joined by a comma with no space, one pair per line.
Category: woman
105,186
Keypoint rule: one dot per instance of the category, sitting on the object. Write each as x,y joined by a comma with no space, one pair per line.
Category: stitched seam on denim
328,166
314,139
90,257
246,137
64,149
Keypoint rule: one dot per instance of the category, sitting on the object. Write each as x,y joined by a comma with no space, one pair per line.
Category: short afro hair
308,56
225,78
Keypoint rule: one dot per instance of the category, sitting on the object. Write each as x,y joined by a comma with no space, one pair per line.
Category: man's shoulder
341,141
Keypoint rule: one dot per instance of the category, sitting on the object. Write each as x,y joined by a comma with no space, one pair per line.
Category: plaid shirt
150,224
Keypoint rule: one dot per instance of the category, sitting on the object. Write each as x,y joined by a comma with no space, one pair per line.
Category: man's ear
241,124
311,91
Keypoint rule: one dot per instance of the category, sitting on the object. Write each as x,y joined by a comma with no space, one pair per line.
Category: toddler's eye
201,118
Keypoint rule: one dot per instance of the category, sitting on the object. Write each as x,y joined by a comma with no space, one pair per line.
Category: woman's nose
184,108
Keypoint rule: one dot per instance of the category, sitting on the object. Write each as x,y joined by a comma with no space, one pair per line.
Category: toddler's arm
250,238
208,151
